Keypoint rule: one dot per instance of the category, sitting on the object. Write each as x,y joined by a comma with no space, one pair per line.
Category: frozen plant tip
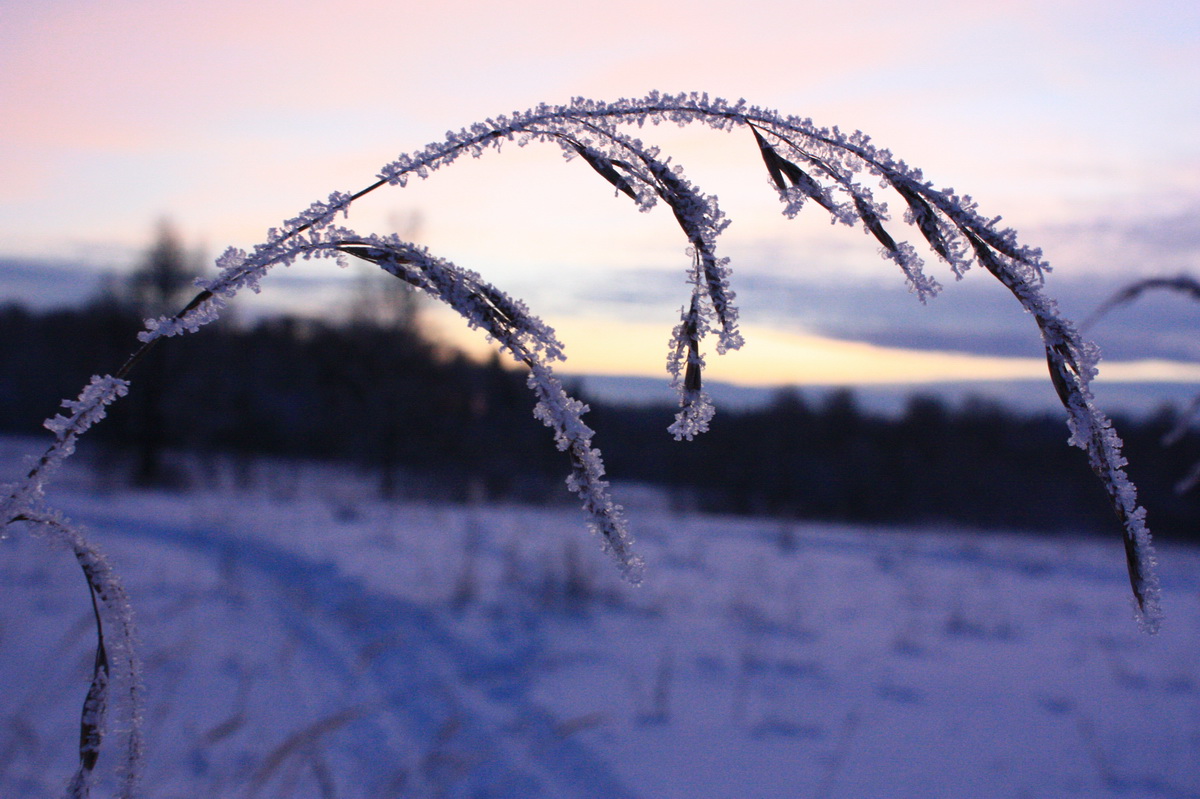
528,340
804,164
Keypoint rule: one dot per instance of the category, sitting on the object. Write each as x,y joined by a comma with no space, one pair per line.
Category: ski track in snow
435,685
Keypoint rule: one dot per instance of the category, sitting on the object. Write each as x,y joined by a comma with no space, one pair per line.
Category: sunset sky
1079,122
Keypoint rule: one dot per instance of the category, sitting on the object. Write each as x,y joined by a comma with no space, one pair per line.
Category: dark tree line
977,464
375,393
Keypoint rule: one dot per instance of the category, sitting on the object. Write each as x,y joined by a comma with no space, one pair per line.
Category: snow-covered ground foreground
301,639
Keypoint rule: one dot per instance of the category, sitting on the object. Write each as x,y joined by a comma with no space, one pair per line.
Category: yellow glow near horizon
773,357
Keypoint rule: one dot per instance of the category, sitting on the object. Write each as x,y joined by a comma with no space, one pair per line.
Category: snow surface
300,638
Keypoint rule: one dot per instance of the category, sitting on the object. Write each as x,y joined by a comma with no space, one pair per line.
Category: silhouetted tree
162,282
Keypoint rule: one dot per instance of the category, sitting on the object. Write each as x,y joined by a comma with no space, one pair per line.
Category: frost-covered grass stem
803,162
115,664
529,341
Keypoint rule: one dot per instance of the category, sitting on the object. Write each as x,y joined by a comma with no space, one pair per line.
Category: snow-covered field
302,639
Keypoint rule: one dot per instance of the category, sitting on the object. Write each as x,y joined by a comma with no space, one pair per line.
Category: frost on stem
115,667
685,363
1072,364
528,340
804,162
87,410
562,414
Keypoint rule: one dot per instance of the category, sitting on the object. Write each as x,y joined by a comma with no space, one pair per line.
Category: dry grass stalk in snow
803,163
